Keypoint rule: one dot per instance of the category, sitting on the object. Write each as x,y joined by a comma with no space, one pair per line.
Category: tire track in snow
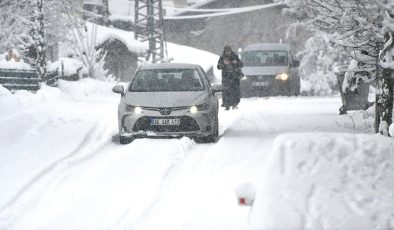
23,199
184,148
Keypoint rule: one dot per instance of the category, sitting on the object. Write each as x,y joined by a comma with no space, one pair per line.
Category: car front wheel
213,137
124,140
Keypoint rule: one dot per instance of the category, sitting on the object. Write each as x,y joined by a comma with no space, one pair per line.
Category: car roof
149,66
268,46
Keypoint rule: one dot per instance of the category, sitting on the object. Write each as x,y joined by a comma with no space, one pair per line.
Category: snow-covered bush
316,67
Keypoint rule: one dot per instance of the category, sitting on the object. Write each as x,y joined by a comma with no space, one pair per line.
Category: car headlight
193,109
282,77
137,110
244,78
132,108
201,107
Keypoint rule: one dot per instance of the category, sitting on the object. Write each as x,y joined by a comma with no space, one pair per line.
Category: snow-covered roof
126,37
268,46
201,3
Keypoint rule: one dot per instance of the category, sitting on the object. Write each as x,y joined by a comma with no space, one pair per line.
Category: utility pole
39,39
149,27
105,13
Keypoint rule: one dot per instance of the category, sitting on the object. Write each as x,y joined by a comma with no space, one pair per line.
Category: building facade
237,30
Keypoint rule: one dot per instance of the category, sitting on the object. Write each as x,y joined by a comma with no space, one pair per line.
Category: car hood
165,99
264,70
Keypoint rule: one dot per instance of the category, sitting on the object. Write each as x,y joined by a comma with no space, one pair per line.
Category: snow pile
21,106
14,61
4,91
327,181
361,120
12,64
86,87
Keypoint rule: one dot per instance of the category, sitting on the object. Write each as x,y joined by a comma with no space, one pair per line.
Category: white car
168,100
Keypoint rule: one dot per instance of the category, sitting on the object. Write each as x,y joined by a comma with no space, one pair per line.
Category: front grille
262,77
166,110
188,124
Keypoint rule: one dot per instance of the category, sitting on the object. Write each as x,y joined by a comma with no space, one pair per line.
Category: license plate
263,83
165,121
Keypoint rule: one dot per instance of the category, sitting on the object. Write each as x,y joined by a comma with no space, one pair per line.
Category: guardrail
13,79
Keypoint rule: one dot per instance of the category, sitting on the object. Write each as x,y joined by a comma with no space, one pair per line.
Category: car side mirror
240,52
296,63
118,89
216,88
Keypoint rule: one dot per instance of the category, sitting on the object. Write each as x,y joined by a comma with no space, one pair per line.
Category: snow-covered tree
386,81
356,28
317,63
32,25
84,43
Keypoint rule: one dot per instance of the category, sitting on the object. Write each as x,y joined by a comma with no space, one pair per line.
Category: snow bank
361,120
86,87
4,91
327,181
21,103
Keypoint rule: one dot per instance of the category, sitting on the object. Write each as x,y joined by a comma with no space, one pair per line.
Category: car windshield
167,80
265,58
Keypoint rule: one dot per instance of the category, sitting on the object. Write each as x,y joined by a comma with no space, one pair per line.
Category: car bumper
268,87
192,125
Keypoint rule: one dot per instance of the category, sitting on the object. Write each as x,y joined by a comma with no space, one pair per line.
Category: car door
293,69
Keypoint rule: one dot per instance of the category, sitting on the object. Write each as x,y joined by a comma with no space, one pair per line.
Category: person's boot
227,108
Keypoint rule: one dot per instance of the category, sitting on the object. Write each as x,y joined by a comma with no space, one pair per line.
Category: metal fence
13,79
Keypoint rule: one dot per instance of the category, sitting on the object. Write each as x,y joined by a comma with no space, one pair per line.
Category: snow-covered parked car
326,181
269,69
168,100
69,68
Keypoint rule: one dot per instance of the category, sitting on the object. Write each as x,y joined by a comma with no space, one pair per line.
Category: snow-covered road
61,169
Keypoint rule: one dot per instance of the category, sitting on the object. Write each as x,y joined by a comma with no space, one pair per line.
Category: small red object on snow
241,201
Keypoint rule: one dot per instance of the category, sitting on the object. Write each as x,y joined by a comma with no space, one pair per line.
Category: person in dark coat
231,66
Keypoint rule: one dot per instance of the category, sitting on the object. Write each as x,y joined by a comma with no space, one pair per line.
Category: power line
228,12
